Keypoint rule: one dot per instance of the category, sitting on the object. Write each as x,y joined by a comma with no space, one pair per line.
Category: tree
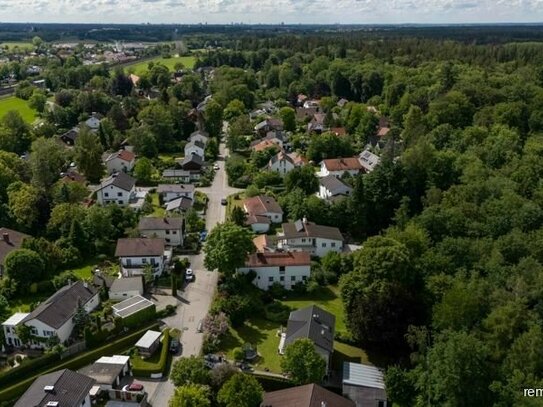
24,267
302,177
213,116
88,155
143,170
4,308
121,84
221,373
190,395
328,145
238,216
288,116
240,390
24,333
15,134
303,363
191,370
144,141
38,101
81,318
238,354
235,108
24,204
227,248
37,41
47,159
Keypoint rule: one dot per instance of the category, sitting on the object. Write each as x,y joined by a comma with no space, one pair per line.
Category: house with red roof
121,161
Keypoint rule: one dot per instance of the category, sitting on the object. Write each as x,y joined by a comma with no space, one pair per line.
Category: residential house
9,326
137,253
309,395
316,125
263,206
285,268
148,343
258,223
131,306
200,136
63,388
118,188
263,144
185,176
127,287
194,147
121,161
304,115
330,187
168,192
178,205
192,162
54,316
70,136
284,162
93,122
9,240
265,243
311,323
170,229
365,385
311,103
339,166
72,175
369,160
108,371
267,125
310,237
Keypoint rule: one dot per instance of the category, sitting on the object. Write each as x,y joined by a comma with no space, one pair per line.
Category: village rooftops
342,164
119,180
309,395
334,185
302,228
155,223
314,323
124,155
175,188
278,259
132,247
182,203
262,204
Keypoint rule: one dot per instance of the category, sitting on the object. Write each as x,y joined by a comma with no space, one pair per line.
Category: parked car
224,202
189,274
216,167
211,360
203,235
135,387
174,346
200,327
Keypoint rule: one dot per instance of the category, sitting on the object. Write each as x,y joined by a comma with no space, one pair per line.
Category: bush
26,369
142,368
166,312
277,290
140,317
277,312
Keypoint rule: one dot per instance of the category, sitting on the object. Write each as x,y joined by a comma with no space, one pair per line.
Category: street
195,300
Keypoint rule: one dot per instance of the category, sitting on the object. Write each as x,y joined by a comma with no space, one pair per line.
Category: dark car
203,235
224,201
174,346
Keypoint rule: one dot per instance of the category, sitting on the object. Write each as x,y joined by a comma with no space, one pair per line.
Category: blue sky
272,11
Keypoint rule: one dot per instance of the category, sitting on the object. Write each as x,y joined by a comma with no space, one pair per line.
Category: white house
93,123
169,192
369,160
121,161
263,205
186,176
330,187
108,371
137,253
118,188
258,223
285,268
53,317
283,163
314,239
9,327
169,229
339,166
127,287
195,147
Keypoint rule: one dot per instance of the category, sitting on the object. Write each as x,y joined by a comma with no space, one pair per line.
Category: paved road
195,300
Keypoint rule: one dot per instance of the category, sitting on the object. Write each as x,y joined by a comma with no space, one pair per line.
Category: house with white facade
116,189
285,268
93,122
177,175
169,192
195,147
339,166
121,161
200,136
258,223
369,160
135,254
331,187
263,206
54,316
169,229
108,371
283,163
314,239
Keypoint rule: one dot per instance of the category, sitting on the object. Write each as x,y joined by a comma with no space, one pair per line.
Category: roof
192,159
357,374
199,133
309,395
127,284
172,173
334,185
278,259
102,373
342,164
309,229
147,340
119,180
254,219
196,143
71,134
130,306
14,241
339,131
182,203
261,204
16,318
383,131
124,155
154,223
61,306
264,242
139,247
280,156
313,323
69,389
261,145
175,188
369,160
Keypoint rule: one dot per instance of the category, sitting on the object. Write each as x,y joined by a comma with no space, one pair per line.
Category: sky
271,11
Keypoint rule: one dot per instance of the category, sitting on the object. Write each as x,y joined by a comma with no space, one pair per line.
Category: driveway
196,297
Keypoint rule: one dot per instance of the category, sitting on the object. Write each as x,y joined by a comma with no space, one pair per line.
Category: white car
189,275
216,167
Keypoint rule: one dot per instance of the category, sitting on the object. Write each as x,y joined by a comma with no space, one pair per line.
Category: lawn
85,271
22,45
23,303
141,67
158,211
232,202
20,105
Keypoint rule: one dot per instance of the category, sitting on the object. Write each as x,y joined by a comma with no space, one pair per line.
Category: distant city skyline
272,11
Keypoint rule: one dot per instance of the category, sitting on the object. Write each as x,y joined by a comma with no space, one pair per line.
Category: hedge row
142,368
77,362
270,383
26,368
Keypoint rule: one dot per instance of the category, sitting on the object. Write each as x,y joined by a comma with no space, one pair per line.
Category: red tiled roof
126,155
339,131
271,259
309,395
261,204
342,164
383,131
263,242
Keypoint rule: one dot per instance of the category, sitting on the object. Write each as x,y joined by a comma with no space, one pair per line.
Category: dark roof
70,389
254,219
191,162
165,188
71,135
261,204
101,280
61,306
314,323
127,284
334,185
277,259
152,223
139,247
309,395
308,229
10,240
184,203
196,143
119,180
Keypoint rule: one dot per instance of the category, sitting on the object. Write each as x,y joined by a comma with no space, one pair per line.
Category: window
282,278
303,240
34,330
333,244
167,232
153,261
167,240
144,260
174,232
121,202
48,333
304,278
128,262
282,269
292,278
324,245
270,279
106,194
119,194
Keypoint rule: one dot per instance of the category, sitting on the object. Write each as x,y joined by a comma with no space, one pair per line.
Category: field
141,67
13,103
21,45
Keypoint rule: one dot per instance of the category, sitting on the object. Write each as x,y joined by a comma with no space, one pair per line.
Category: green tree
303,178
38,101
15,134
47,159
288,116
4,308
240,390
88,155
189,370
328,145
238,216
227,248
303,362
144,141
213,117
24,333
143,170
24,204
191,395
233,109
24,267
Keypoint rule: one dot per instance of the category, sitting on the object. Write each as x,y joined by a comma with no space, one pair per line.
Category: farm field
21,45
20,105
141,67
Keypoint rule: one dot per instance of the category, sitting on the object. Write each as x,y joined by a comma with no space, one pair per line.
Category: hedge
77,362
270,383
142,368
141,317
27,368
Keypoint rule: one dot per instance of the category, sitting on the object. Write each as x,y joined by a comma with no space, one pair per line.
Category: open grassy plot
20,105
21,45
158,211
141,67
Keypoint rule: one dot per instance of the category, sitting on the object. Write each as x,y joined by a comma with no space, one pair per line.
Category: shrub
277,312
27,368
140,317
277,290
142,368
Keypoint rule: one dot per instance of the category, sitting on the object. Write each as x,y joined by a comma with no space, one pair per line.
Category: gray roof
308,229
173,173
70,389
196,143
127,284
61,306
148,339
314,323
356,374
334,185
139,247
175,188
130,306
102,373
193,158
369,160
119,180
10,240
152,223
182,203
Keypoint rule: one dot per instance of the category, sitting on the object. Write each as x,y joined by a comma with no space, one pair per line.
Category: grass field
141,67
20,105
21,45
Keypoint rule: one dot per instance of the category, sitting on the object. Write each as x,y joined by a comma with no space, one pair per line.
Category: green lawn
158,211
20,105
22,45
232,202
141,67
22,303
85,271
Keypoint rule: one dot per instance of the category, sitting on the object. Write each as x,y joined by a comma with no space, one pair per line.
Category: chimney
304,220
85,284
49,389
5,237
323,404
